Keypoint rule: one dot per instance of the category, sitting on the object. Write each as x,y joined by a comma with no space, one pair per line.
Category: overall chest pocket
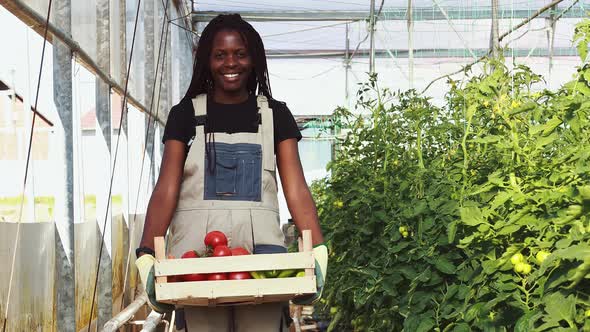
237,174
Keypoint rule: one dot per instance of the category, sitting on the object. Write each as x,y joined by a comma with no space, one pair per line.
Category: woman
218,171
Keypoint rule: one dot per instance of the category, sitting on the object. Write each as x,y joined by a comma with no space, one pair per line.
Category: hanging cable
26,168
123,114
368,33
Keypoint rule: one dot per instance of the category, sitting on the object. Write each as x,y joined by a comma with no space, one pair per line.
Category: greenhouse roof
442,28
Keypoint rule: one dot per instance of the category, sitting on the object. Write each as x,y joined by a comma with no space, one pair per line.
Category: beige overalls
232,188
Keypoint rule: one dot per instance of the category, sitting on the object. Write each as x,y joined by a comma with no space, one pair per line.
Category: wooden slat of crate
250,291
301,260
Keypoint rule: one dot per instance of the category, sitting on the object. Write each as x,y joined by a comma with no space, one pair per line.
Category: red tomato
215,238
192,276
238,251
221,251
239,275
217,276
190,254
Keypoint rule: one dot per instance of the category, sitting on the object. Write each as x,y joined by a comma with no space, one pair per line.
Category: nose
230,60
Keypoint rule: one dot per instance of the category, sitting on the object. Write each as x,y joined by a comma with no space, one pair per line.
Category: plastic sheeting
32,299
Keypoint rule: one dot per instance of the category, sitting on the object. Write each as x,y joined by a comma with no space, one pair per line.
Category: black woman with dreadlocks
223,143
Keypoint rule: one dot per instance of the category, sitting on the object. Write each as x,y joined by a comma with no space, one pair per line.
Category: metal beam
387,14
418,53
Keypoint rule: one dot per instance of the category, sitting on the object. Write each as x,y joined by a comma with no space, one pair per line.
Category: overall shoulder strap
267,133
200,104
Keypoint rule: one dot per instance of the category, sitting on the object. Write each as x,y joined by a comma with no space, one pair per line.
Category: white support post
410,45
372,38
494,34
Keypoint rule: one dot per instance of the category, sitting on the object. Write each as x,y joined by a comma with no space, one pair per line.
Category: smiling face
231,65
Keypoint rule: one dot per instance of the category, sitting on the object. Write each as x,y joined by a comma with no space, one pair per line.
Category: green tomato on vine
516,258
404,231
338,204
542,256
523,268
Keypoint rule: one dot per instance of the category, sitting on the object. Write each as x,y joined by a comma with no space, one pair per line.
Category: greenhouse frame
85,92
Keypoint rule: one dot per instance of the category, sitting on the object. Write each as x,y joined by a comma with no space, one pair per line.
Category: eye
218,55
242,54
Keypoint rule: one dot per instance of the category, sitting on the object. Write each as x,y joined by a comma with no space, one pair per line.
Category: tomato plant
472,215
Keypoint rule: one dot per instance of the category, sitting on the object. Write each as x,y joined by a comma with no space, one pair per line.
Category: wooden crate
234,292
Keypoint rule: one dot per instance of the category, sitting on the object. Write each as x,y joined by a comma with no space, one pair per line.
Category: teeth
230,75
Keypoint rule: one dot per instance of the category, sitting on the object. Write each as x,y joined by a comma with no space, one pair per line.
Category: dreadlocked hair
201,82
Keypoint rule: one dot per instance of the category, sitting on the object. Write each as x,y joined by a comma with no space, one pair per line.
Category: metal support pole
123,41
410,45
551,22
372,38
64,203
149,80
346,63
103,206
162,90
494,34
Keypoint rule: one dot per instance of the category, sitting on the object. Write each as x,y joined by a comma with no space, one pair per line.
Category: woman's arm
299,199
165,195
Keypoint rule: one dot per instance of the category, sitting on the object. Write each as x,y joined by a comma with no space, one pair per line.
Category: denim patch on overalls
237,173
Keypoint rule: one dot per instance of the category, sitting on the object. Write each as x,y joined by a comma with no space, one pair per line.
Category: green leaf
523,108
381,215
444,265
545,140
582,50
546,128
575,252
462,327
501,198
471,215
426,325
526,323
451,231
473,311
559,307
509,229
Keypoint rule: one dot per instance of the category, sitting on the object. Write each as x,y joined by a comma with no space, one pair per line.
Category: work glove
320,252
145,266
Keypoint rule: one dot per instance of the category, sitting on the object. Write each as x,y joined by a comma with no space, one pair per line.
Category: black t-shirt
229,118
